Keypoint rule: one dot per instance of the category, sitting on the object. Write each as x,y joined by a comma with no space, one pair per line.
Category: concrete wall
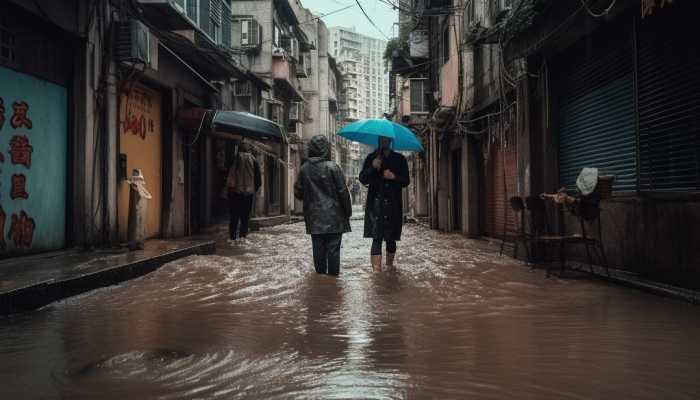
262,10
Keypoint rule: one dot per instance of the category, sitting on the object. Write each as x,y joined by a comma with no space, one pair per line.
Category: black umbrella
247,125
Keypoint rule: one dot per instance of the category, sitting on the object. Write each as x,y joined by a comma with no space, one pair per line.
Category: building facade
90,91
543,90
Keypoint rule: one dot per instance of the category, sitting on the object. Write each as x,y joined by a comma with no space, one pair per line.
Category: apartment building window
445,44
215,16
192,9
419,96
276,35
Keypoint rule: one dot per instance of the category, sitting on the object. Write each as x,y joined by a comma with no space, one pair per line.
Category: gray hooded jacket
321,186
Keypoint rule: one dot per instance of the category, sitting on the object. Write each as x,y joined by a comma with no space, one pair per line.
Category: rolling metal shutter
669,102
597,113
503,159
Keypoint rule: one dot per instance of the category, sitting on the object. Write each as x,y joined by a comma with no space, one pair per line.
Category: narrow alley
456,320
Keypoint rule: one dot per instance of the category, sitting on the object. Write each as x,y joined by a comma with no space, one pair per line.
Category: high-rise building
360,58
365,92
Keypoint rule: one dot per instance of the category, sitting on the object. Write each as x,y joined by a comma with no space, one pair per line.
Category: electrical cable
370,20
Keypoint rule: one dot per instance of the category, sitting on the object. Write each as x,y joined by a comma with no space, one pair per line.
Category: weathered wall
655,237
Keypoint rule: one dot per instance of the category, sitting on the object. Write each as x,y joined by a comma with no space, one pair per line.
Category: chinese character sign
138,113
648,6
33,163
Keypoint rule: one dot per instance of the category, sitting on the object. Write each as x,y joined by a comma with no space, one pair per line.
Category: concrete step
262,222
28,283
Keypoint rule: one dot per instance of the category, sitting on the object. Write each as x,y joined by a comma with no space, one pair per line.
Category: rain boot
390,261
377,263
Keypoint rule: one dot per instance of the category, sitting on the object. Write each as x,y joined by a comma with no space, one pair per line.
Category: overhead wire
370,20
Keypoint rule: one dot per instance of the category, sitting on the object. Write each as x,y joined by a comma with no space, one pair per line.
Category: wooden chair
520,234
587,211
539,235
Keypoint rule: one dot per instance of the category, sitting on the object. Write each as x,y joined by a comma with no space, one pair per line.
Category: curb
630,280
35,296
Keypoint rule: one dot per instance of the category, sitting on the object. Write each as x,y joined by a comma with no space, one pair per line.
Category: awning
247,125
257,81
229,124
207,60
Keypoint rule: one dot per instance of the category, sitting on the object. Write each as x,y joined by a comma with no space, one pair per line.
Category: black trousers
377,246
240,206
327,253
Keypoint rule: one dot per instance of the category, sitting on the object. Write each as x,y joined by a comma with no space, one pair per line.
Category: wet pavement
454,321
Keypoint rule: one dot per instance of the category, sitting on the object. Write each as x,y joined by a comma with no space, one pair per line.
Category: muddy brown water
454,321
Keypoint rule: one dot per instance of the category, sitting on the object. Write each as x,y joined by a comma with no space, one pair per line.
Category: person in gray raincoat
386,173
327,207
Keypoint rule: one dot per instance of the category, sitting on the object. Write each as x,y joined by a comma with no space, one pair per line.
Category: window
274,111
276,35
419,96
216,32
192,9
445,44
215,13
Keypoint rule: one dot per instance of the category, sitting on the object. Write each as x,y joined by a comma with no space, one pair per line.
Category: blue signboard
33,163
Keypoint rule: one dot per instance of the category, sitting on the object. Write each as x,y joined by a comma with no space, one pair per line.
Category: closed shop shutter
502,161
33,160
669,101
597,115
140,139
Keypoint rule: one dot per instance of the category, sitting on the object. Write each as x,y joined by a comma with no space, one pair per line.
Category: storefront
140,142
33,163
500,163
36,72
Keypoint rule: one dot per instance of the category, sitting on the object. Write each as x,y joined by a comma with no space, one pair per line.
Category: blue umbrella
368,131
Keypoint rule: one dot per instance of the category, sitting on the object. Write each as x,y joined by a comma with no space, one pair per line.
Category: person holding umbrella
386,173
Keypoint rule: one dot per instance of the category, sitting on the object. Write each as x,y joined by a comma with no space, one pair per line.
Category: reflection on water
255,321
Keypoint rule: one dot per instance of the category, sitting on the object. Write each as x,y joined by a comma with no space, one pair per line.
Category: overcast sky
381,13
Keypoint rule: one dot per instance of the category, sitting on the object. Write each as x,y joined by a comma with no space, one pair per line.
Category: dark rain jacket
384,207
321,186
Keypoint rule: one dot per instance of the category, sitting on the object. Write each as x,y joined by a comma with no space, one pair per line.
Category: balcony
284,74
166,14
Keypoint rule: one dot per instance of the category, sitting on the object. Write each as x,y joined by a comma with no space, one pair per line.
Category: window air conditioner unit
418,44
251,32
242,88
133,43
278,52
295,111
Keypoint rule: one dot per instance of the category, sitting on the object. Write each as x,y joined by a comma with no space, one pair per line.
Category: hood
319,147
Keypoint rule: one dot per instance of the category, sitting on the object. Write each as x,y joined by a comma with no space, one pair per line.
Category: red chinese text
18,190
137,126
20,118
21,151
22,230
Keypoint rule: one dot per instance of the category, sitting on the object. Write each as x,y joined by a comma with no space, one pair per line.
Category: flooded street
255,321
